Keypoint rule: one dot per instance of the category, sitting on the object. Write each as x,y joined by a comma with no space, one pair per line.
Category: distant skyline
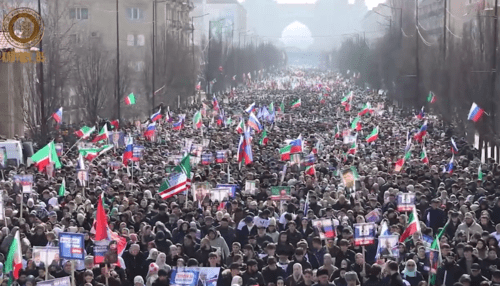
369,3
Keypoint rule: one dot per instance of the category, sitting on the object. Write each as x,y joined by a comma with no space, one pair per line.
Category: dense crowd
163,235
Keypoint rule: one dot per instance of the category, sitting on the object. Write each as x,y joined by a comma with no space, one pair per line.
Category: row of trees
225,60
459,69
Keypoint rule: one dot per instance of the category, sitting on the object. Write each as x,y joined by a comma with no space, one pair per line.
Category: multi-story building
231,15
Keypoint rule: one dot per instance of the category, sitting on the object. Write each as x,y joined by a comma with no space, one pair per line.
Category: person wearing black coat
134,260
434,216
394,278
271,272
450,270
374,277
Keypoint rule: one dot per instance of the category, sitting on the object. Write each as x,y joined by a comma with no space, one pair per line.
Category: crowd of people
178,233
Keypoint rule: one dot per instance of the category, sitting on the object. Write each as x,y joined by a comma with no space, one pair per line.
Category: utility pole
41,86
417,36
445,33
117,63
494,71
153,54
208,57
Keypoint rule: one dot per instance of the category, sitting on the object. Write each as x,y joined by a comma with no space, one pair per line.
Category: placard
220,194
45,254
175,158
3,158
373,216
100,249
82,176
348,178
325,228
138,152
207,158
194,276
200,191
364,234
205,142
64,281
232,187
250,187
2,209
221,156
279,193
71,246
117,138
59,149
115,165
406,202
23,183
387,247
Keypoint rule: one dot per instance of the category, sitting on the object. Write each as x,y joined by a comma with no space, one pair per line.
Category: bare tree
92,78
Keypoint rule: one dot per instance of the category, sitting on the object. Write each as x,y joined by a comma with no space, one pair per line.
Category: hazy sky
369,3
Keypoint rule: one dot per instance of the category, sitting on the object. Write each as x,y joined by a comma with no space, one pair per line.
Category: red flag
115,123
101,225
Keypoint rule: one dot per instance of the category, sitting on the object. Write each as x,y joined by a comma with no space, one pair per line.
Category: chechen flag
14,260
412,227
130,99
423,156
475,112
373,136
45,156
58,115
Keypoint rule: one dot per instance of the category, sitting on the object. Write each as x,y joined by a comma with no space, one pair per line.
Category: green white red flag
14,260
373,136
45,156
412,227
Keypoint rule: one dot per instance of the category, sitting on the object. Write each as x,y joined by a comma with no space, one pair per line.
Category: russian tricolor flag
156,116
449,167
421,133
150,131
475,112
296,145
251,108
129,150
254,123
178,125
421,114
215,103
454,148
58,115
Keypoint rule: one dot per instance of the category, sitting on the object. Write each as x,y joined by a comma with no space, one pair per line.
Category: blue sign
71,246
233,188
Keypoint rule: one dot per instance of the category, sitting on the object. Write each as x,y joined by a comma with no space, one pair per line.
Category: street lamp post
192,38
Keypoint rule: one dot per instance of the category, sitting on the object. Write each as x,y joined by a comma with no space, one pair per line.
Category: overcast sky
369,3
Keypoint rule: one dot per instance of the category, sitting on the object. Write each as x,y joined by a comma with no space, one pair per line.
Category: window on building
134,13
79,13
130,40
140,40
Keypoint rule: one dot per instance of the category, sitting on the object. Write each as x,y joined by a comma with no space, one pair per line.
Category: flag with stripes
173,185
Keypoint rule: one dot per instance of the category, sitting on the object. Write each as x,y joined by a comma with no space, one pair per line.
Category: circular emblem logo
23,28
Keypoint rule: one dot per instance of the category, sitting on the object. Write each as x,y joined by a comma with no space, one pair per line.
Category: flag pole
73,146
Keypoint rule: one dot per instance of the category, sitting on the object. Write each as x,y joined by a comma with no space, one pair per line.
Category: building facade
231,15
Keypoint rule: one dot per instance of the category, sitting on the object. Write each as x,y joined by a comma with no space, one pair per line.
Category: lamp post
192,37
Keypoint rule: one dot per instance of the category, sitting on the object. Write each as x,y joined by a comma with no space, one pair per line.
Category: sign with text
23,183
364,234
325,228
406,202
64,281
71,246
250,187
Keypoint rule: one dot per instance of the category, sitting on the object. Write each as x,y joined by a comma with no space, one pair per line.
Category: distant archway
297,35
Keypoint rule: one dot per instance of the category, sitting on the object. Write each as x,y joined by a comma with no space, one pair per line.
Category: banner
406,202
23,183
64,281
207,158
348,179
325,228
82,176
279,193
115,165
71,246
364,234
194,276
387,247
